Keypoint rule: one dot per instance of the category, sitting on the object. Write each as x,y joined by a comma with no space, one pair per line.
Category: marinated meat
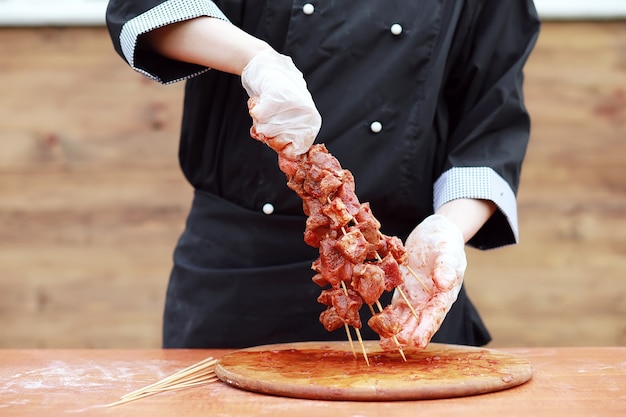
333,266
347,194
346,305
338,213
326,296
320,280
369,281
330,320
355,259
317,229
368,224
393,275
386,323
396,248
352,246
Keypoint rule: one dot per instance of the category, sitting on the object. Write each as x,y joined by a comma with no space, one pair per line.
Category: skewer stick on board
395,339
345,325
357,331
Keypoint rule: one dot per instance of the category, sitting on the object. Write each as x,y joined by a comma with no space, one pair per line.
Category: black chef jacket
421,101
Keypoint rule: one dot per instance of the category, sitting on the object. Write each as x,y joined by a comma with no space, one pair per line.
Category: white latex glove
436,251
283,113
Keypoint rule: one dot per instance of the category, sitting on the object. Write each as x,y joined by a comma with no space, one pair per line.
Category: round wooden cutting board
330,371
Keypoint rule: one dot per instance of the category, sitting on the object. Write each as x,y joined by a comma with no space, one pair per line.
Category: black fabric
448,92
227,293
458,104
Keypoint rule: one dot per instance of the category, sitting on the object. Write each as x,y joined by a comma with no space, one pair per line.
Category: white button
308,9
376,127
396,29
268,208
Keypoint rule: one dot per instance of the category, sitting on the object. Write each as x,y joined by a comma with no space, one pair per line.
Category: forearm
469,215
207,41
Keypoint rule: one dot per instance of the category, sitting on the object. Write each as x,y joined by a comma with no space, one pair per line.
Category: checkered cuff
171,11
478,183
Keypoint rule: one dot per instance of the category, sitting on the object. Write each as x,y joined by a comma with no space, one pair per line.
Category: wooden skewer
358,335
156,390
345,325
404,297
191,380
129,399
202,365
395,339
418,279
199,373
357,331
200,381
406,300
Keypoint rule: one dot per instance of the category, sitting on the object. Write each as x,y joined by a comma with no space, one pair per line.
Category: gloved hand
282,109
436,250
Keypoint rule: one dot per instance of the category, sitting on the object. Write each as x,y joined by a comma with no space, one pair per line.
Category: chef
421,100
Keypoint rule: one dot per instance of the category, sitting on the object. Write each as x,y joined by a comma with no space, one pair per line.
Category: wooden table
567,381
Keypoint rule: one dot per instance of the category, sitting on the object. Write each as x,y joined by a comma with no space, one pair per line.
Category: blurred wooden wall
92,199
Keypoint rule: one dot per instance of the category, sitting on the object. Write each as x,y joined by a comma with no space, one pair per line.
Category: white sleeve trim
171,11
479,183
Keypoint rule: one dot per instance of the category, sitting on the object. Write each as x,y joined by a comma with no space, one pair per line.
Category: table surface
574,381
